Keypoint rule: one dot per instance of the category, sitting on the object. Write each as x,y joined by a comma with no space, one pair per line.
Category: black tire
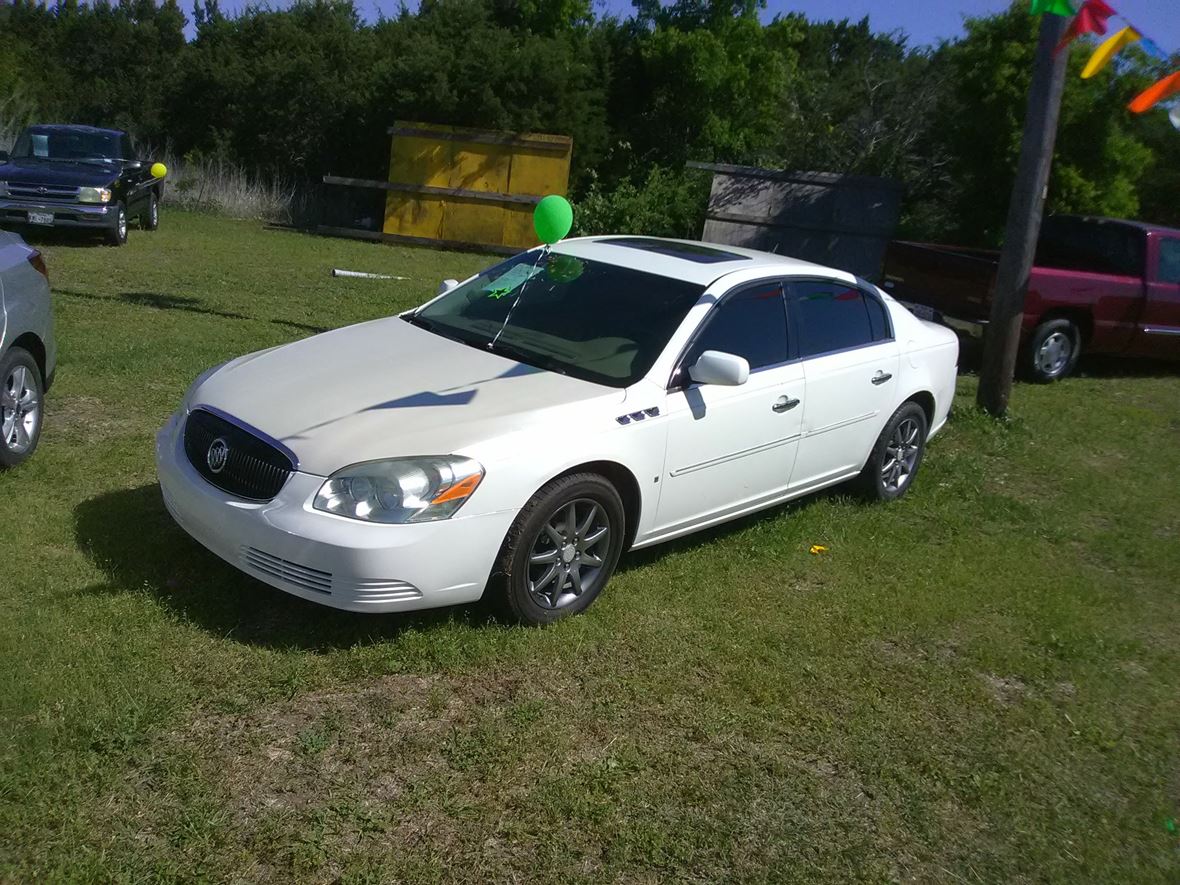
18,440
1052,351
886,476
518,582
150,220
117,234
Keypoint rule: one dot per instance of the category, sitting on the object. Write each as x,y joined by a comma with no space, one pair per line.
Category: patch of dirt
1005,689
87,418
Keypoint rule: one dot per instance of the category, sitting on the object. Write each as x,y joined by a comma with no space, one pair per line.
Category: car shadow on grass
162,301
132,538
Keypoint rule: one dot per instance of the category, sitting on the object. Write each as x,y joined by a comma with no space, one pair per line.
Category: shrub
669,203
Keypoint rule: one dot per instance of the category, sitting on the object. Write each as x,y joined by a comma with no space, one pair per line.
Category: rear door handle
785,404
881,377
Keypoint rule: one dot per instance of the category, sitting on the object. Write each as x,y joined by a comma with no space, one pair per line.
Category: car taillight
38,262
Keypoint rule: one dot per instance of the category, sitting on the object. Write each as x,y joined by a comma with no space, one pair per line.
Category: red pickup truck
1098,286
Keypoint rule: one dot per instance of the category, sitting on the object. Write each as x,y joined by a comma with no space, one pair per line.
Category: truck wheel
117,235
1052,351
150,220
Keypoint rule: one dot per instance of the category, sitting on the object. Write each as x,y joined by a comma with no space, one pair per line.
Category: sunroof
694,252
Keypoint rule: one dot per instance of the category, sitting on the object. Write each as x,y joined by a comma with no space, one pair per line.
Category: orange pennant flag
1157,92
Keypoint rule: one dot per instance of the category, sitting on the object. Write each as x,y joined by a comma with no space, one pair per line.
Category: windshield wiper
414,320
527,357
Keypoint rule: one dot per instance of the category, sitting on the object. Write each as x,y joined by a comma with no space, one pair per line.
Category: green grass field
976,684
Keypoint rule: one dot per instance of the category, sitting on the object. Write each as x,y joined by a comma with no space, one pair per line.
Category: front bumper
94,216
332,560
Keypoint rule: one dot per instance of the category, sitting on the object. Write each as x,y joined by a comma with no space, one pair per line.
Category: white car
517,433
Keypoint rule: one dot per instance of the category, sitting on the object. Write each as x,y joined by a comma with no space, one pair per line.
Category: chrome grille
42,193
257,560
252,468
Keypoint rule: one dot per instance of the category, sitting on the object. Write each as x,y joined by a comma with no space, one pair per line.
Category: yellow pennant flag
1108,50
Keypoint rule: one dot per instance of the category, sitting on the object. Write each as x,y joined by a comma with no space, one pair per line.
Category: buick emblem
218,455
42,190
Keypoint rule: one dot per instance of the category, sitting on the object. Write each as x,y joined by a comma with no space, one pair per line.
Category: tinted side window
1169,269
830,316
877,319
750,324
1091,246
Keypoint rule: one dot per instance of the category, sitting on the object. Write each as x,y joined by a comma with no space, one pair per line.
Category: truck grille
42,193
246,465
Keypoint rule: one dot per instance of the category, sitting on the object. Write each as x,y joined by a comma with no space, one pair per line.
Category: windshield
583,318
66,144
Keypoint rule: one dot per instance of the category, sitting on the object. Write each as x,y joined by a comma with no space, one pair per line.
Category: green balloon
553,218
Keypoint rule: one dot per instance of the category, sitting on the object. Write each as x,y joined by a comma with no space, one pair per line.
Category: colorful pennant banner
1091,18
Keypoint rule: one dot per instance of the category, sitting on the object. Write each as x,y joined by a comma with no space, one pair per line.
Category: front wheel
896,456
1052,351
21,395
117,235
561,551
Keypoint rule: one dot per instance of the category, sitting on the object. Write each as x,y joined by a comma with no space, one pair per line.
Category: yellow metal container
471,186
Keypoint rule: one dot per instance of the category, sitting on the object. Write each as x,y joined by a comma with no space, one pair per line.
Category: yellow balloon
159,170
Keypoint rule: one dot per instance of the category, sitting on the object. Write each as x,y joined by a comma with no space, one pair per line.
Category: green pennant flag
1053,7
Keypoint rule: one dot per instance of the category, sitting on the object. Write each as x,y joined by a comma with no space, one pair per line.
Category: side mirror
447,286
715,367
3,156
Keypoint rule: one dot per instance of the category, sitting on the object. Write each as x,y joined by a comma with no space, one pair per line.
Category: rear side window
832,316
1169,269
1091,246
751,323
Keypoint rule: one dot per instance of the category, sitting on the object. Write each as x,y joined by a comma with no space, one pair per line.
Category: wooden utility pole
1024,218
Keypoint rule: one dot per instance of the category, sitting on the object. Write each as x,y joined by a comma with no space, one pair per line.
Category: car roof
75,127
688,260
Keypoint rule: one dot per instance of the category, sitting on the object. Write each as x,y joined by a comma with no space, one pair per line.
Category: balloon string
515,301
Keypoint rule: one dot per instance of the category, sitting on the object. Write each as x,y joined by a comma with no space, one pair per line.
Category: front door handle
784,404
881,377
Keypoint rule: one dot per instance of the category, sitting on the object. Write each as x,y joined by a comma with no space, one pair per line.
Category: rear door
1159,329
850,363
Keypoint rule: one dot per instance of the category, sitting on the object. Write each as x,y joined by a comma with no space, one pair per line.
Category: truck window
1091,247
1169,267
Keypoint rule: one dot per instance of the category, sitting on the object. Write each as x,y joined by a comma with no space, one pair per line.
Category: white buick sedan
519,432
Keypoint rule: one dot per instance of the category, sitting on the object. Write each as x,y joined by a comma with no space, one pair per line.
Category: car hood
387,389
61,172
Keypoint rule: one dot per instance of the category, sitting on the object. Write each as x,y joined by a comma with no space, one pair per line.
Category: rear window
1091,247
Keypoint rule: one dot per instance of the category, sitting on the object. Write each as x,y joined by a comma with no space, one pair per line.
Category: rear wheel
896,456
150,220
1052,351
561,551
117,235
21,397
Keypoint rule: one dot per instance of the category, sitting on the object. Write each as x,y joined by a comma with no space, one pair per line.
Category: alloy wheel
1054,353
567,557
901,455
20,410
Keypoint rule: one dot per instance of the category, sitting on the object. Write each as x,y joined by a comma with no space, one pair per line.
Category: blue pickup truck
77,177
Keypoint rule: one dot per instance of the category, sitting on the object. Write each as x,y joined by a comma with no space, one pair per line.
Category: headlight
401,490
94,195
3,188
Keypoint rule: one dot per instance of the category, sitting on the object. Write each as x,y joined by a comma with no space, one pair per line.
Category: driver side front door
731,449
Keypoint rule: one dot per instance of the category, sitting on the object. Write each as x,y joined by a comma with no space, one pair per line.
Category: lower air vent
259,561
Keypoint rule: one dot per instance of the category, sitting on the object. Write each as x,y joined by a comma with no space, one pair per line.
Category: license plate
40,218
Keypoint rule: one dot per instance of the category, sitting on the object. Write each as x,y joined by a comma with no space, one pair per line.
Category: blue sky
926,21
